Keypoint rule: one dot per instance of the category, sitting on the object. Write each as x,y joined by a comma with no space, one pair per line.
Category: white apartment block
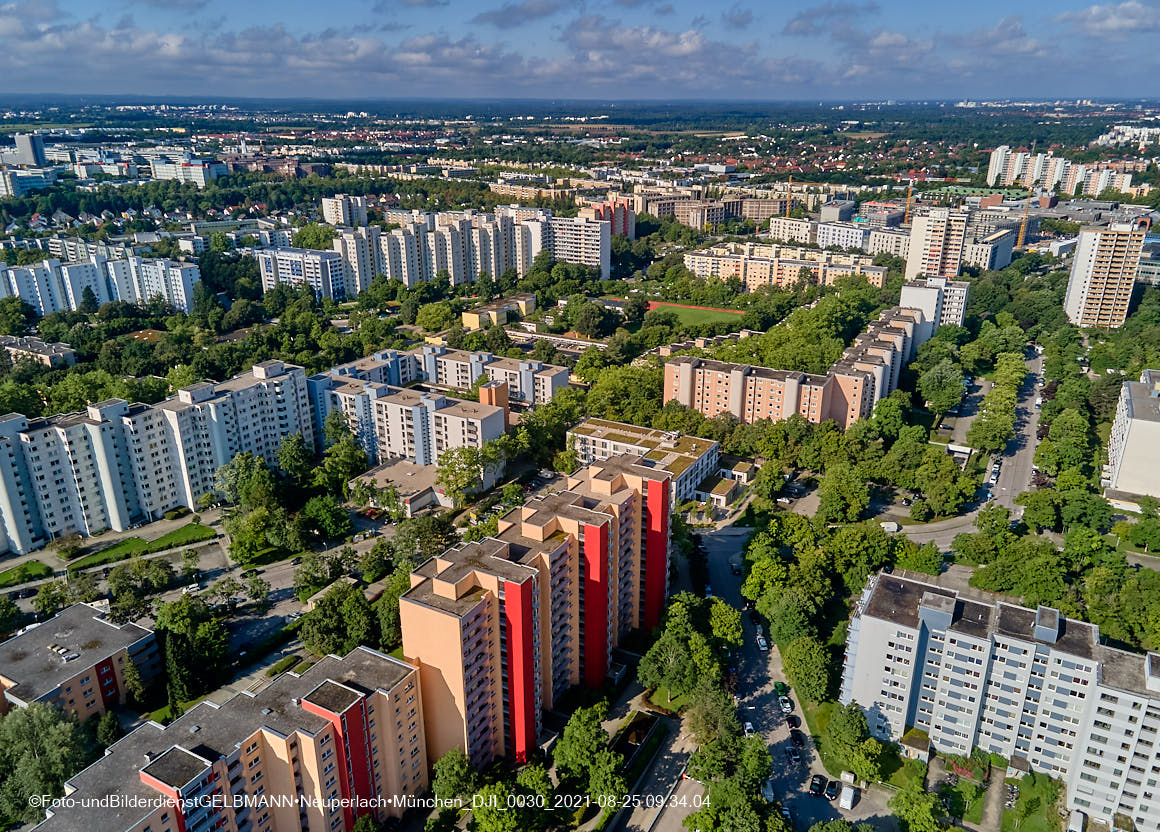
323,271
992,252
342,209
580,240
787,230
1133,465
1030,685
843,235
936,243
187,169
528,381
888,241
51,287
689,459
362,257
117,464
942,301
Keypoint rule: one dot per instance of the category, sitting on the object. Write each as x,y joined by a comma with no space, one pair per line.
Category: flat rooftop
1144,397
648,440
76,638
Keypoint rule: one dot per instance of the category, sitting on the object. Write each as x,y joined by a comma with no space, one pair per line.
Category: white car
785,703
749,729
762,644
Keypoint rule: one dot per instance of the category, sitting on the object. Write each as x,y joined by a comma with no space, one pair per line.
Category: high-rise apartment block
30,150
1006,168
843,235
322,271
689,459
1041,690
1133,465
1103,273
990,252
943,302
936,243
500,629
310,751
789,230
867,372
362,257
75,660
52,287
187,169
117,464
342,209
760,264
617,211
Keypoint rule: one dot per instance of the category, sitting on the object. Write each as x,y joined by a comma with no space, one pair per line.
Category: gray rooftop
38,661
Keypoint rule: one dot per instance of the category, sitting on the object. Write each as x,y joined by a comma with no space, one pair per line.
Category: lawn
162,714
817,717
965,799
660,699
1035,809
688,315
189,533
30,570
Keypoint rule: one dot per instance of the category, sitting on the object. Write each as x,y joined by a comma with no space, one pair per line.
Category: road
968,410
757,672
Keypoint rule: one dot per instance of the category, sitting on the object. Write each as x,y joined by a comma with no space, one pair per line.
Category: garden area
193,532
1034,810
30,570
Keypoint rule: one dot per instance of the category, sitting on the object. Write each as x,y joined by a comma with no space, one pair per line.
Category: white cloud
1114,21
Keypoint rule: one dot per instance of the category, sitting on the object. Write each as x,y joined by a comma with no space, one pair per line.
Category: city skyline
610,49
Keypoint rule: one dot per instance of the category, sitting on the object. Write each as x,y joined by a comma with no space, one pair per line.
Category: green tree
314,235
326,516
295,458
917,807
341,463
490,812
807,666
108,729
50,598
135,687
942,386
340,621
10,616
843,494
17,316
584,736
387,607
604,780
725,623
40,748
453,776
668,664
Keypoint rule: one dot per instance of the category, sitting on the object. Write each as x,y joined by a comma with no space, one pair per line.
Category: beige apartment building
76,661
1133,466
500,629
27,348
1103,274
772,264
937,238
312,751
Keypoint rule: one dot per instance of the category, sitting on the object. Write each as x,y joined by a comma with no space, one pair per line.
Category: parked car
793,722
832,789
749,729
797,738
817,785
762,644
787,814
795,756
785,703
781,689
767,790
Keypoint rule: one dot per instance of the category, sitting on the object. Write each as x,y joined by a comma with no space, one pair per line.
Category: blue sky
600,49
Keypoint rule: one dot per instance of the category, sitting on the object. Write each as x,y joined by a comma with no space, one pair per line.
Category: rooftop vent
193,729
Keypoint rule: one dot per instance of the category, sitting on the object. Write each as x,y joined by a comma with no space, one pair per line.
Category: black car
797,738
817,785
832,789
793,722
794,756
754,617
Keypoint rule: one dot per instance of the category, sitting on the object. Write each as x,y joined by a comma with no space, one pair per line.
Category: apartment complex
322,271
499,312
52,287
76,661
27,348
342,209
1030,685
187,169
1103,274
792,230
943,302
1133,465
30,150
117,464
867,371
500,629
758,265
990,252
617,211
398,423
689,459
345,738
937,238
1006,167
361,252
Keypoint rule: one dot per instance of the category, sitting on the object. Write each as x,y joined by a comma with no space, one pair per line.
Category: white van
1077,822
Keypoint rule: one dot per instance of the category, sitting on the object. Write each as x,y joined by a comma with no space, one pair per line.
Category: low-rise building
689,459
27,348
75,660
1133,465
499,312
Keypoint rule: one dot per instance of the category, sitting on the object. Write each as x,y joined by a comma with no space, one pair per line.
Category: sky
583,49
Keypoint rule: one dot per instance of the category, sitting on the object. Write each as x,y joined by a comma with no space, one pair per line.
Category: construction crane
909,191
1023,223
788,197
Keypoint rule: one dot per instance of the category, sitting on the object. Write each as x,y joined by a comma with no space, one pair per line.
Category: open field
696,314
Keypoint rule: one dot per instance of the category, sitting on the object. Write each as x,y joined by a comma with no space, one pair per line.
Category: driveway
1019,455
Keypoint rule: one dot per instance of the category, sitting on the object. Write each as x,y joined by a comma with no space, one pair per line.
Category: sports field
696,314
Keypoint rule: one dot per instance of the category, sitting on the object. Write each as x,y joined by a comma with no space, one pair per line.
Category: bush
175,513
282,665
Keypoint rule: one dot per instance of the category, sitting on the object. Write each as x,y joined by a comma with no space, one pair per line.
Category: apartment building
1031,685
1103,274
689,459
362,257
894,242
499,312
991,252
787,230
345,738
867,371
937,237
1133,465
581,240
76,661
617,211
187,169
117,464
843,235
30,150
500,629
943,302
344,210
528,381
51,287
322,271
27,348
758,265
